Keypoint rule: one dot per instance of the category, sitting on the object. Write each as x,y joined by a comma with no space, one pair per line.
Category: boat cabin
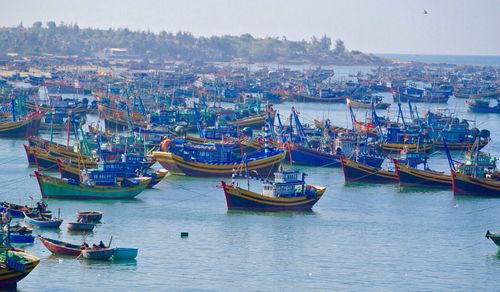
286,184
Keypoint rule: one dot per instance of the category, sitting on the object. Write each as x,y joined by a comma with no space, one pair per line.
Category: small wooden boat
494,236
60,247
34,220
77,226
98,254
14,266
122,253
90,216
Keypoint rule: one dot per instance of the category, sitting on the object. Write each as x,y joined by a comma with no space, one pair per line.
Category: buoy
184,234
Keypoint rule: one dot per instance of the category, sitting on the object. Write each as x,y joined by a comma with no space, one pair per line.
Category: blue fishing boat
216,159
288,192
42,222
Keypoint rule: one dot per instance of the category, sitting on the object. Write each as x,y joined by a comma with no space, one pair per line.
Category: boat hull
122,253
240,199
23,128
304,156
358,172
411,177
59,247
99,254
470,186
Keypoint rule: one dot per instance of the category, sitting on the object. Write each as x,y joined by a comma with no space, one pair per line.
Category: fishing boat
42,222
414,177
15,264
464,184
398,139
24,127
483,105
18,211
494,236
98,254
89,216
60,247
95,186
79,226
367,102
216,159
288,192
125,253
358,172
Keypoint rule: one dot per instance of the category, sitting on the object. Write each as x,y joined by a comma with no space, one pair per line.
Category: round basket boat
122,253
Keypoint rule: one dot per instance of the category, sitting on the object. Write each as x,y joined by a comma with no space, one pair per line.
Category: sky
451,27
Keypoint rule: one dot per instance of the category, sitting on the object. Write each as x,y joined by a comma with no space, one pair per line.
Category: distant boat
288,192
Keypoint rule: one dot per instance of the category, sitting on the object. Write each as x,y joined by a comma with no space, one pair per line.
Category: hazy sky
375,26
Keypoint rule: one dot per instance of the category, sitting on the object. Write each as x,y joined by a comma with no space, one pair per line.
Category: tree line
70,39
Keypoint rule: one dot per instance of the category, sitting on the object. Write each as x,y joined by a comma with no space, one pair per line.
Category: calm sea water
359,237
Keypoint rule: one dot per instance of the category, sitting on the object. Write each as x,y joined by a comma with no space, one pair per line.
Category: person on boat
95,246
84,245
82,219
101,244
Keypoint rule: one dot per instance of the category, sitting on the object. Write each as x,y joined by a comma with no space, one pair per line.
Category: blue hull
305,156
18,238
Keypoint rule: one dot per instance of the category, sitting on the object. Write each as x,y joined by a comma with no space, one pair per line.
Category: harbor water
358,237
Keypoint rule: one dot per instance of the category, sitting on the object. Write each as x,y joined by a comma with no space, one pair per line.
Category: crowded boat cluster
102,131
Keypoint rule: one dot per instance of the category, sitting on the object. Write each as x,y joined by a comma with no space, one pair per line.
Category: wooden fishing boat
23,128
367,104
78,226
215,160
15,264
90,216
60,247
123,253
413,177
464,184
98,254
253,121
36,221
287,192
358,172
51,187
494,236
